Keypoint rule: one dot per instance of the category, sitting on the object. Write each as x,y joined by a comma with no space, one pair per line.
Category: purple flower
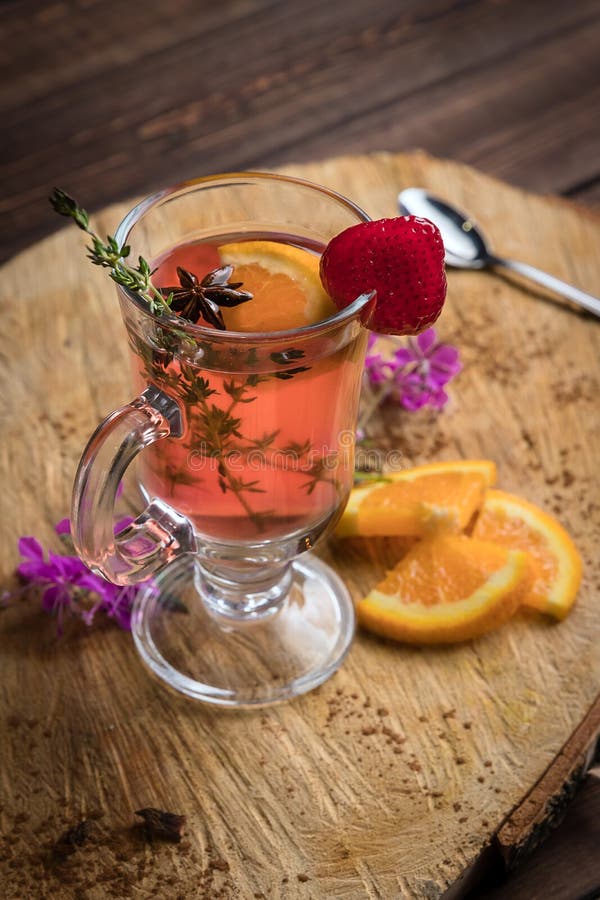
417,374
68,587
377,369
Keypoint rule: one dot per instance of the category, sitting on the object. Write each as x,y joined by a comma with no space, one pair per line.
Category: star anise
194,299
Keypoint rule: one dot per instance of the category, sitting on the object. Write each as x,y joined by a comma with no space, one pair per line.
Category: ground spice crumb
382,711
485,823
368,730
436,794
480,779
392,735
72,838
487,763
160,824
449,714
414,765
460,760
367,703
220,864
497,791
422,718
285,879
456,806
354,696
303,877
463,819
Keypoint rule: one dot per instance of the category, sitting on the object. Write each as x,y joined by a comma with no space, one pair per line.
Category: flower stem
375,401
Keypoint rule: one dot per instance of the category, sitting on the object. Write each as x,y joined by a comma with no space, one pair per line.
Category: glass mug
248,460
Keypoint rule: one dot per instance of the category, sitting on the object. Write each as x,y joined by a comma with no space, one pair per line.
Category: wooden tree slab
393,778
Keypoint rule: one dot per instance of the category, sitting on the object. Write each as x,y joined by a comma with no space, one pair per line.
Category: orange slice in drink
416,502
285,283
556,564
446,589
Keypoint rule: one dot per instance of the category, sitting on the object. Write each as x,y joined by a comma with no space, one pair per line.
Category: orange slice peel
419,501
556,566
447,589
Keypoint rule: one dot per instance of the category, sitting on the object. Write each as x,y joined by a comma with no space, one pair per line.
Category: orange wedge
446,589
556,564
285,283
416,502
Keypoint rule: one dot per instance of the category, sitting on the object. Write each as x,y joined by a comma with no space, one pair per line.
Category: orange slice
556,564
415,502
285,282
446,589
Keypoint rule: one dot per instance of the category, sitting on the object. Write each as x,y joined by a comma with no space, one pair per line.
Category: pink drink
267,448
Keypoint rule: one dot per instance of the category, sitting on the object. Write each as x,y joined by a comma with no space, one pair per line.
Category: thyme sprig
109,255
191,299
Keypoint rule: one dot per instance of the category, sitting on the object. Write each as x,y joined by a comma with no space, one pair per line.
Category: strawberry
402,259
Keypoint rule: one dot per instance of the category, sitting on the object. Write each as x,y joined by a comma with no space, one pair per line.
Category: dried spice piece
73,838
166,826
219,864
287,356
193,299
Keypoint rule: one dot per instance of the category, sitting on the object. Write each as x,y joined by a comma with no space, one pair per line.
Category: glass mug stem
159,534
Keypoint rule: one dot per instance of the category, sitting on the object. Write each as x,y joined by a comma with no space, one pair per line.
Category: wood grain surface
107,101
391,779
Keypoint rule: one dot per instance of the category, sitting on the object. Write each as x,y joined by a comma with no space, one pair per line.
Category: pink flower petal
438,399
403,356
426,340
446,357
31,549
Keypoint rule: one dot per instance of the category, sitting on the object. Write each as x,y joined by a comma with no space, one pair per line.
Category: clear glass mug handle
160,533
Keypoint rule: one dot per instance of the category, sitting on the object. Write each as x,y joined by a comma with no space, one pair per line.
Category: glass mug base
295,645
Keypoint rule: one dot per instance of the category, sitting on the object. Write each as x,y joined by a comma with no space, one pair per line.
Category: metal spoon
466,247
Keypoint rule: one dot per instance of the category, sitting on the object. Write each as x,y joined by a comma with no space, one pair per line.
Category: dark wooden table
110,99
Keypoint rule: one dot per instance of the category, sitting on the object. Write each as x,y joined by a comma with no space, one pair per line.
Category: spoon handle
592,304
